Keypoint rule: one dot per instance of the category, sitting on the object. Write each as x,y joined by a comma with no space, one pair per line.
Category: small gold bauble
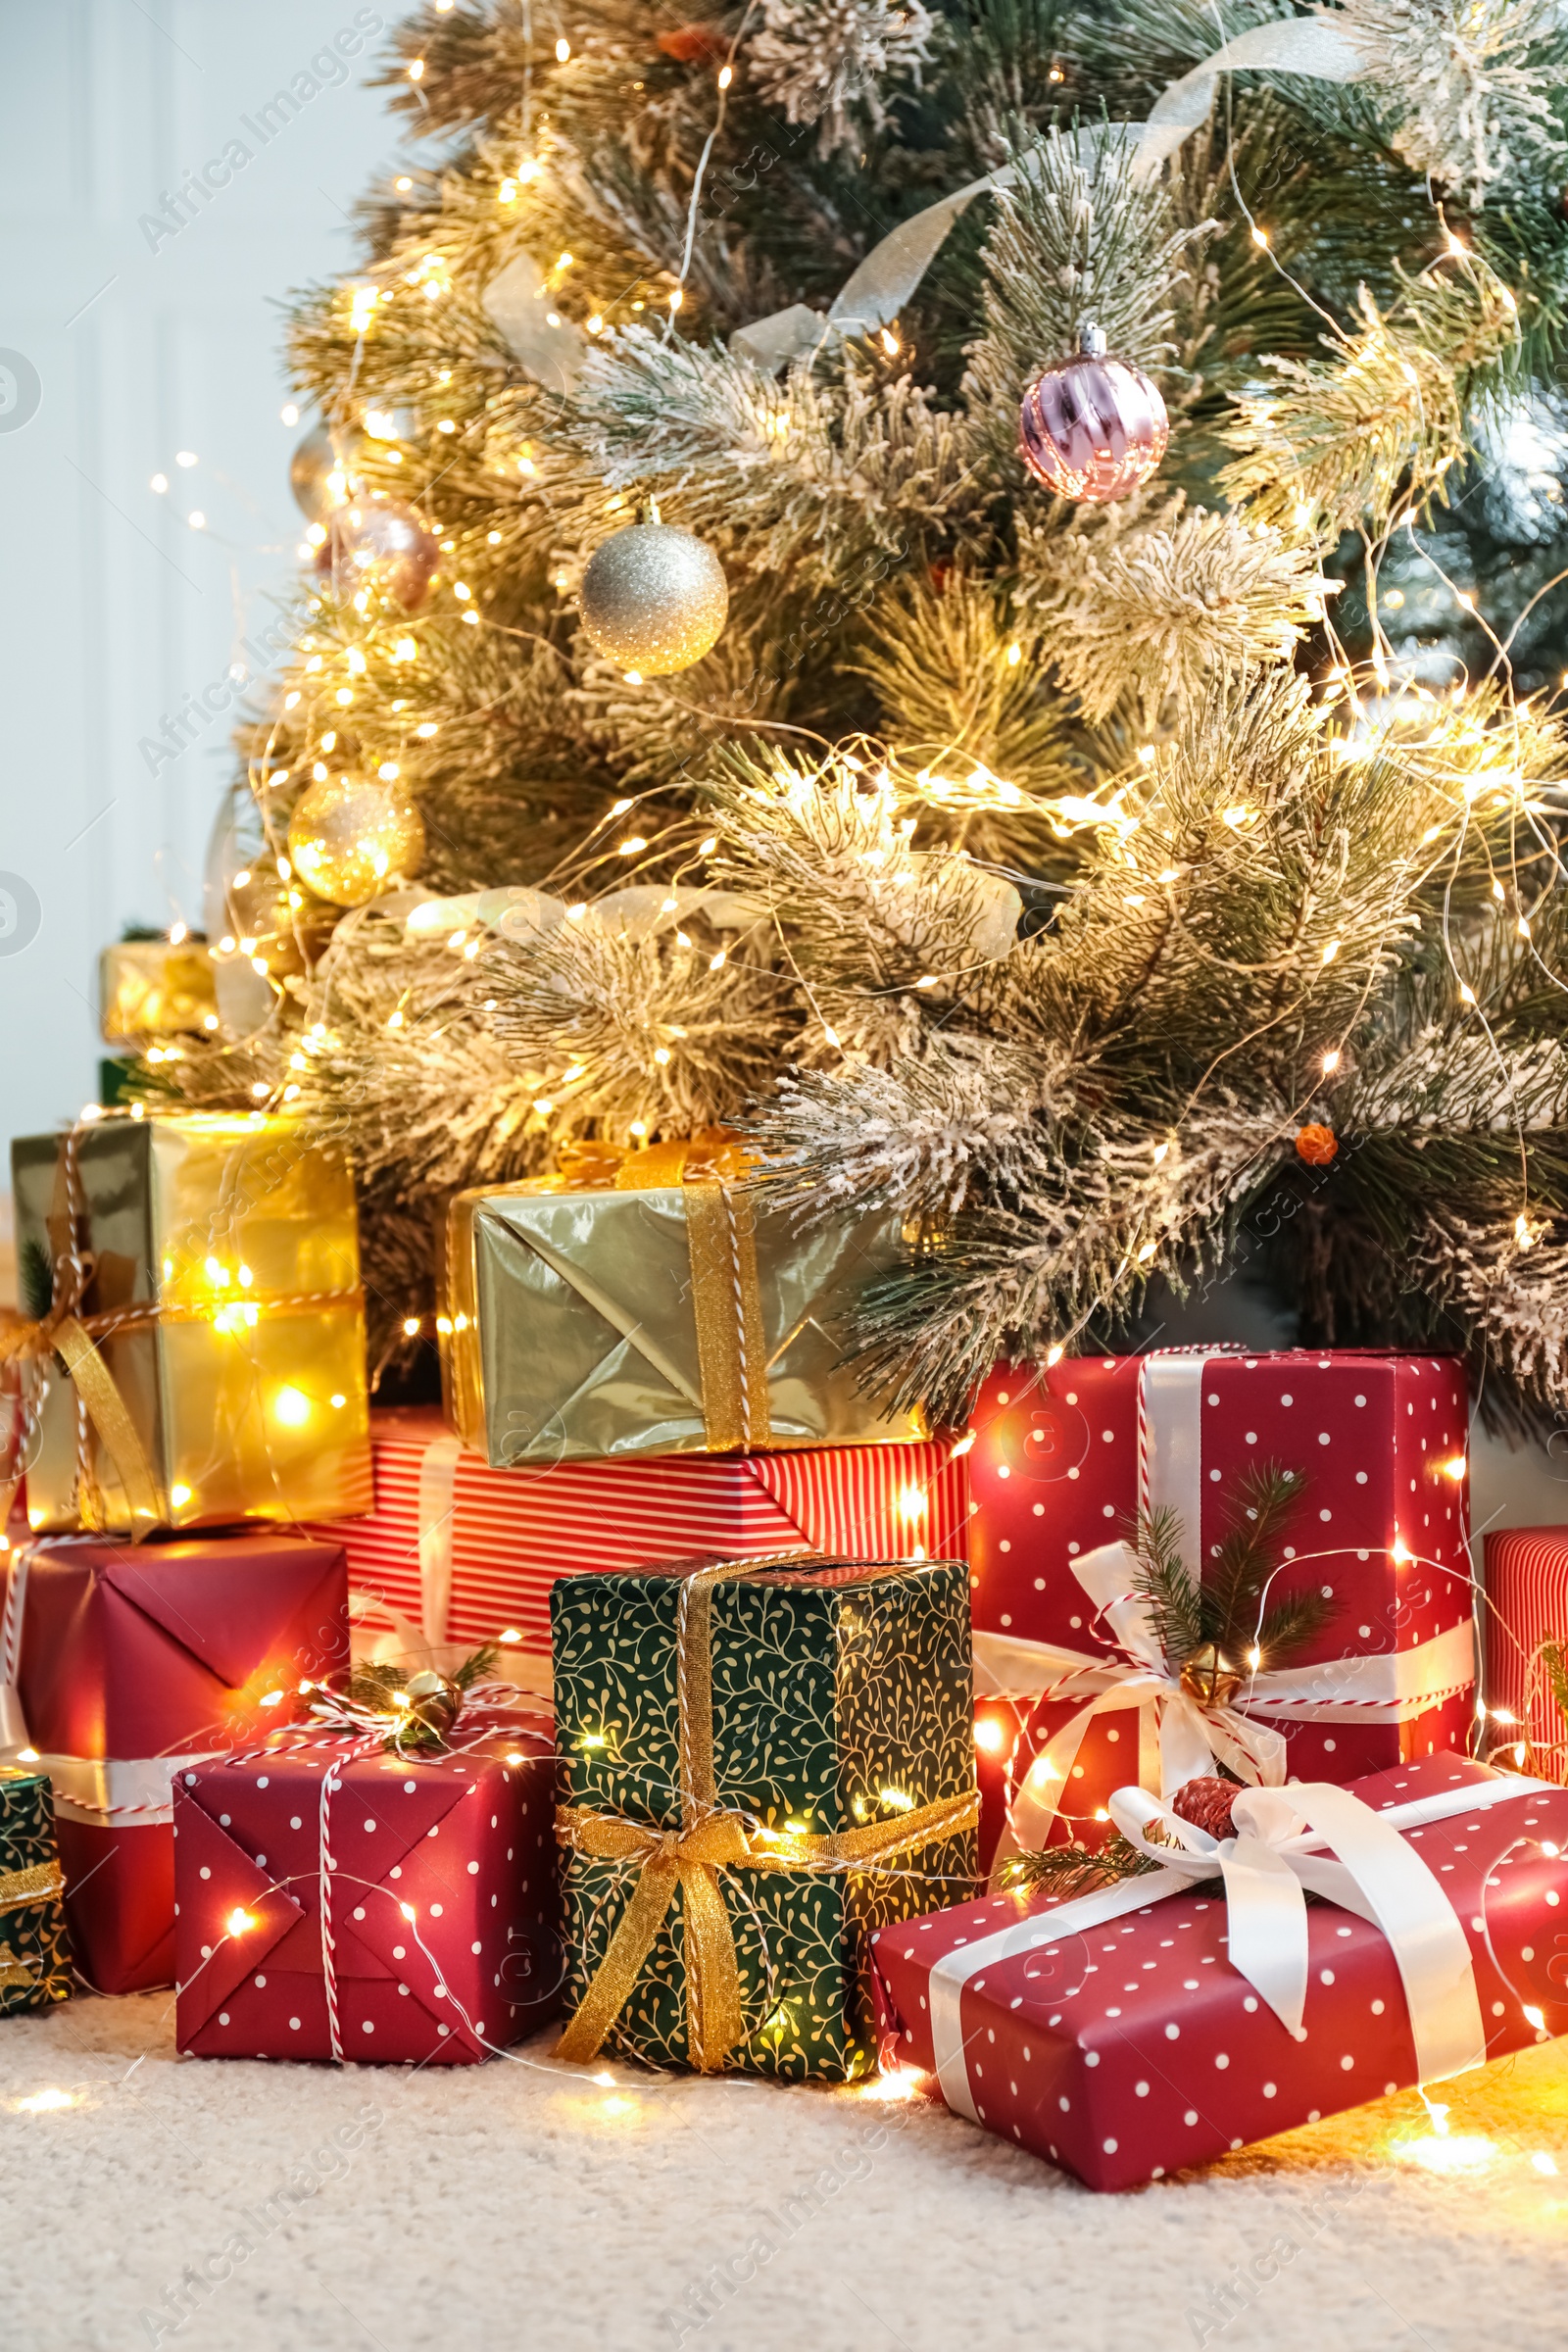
1208,1676
318,474
433,1700
653,599
348,838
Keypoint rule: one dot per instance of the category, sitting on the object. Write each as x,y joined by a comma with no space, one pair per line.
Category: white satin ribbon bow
1276,1859
1179,1736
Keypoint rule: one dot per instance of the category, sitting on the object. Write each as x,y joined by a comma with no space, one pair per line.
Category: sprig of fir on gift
411,1712
1219,1628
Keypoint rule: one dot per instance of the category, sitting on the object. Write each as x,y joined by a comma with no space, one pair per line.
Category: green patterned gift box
761,1764
35,1954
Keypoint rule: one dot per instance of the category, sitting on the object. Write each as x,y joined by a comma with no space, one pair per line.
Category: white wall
112,611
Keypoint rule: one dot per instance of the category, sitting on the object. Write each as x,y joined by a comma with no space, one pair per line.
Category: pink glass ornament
1092,427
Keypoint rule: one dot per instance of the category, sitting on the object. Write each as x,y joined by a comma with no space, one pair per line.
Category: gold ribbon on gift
722,1237
63,1330
66,1332
40,1883
713,1837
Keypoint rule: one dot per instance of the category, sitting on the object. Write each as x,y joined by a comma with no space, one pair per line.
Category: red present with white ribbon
339,1900
118,1668
1168,2017
1076,1696
458,1553
1527,1647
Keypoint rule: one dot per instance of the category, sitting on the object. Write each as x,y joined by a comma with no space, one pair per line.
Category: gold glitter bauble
653,599
348,838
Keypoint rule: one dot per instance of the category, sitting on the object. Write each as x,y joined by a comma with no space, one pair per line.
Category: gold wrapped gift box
652,1305
193,1341
151,987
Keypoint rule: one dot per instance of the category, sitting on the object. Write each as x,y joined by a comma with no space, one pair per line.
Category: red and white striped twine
327,1866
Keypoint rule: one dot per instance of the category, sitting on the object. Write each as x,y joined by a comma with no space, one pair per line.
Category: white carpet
516,2206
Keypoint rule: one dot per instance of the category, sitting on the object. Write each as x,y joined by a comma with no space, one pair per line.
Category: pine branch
1065,1871
1236,1583
1169,1589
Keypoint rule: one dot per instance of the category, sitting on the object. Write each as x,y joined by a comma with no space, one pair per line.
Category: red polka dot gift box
337,1901
120,1666
1163,2019
1078,1469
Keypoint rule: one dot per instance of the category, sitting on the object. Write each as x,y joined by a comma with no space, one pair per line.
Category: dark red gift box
1527,1605
435,1879
120,1663
1064,1460
1112,2033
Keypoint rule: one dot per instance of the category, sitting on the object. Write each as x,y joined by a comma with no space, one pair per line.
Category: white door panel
116,614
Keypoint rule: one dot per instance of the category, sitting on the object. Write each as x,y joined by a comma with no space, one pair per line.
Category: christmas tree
1121,858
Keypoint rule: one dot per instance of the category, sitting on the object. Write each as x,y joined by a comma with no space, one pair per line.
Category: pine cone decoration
1206,1803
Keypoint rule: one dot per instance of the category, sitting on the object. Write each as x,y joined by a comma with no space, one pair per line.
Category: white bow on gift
1180,1733
1189,1733
1276,1859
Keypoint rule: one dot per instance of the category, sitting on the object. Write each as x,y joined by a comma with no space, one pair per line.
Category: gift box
1064,1461
1163,2019
372,1906
1527,1643
119,1667
156,988
463,1553
196,1348
655,1317
34,1949
758,1765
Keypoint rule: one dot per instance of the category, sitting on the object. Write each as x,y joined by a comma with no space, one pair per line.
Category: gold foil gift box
192,1334
645,1303
155,988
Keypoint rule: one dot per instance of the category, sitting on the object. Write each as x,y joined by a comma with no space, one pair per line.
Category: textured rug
225,2207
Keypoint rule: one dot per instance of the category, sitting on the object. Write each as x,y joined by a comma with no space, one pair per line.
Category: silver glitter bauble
653,599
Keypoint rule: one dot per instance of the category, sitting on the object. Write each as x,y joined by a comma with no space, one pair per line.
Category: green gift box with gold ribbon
34,1951
760,1764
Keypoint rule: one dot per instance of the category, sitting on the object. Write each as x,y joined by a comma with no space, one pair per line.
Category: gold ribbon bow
711,1839
721,1239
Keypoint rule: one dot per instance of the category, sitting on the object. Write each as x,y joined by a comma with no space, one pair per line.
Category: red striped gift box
464,1554
1527,1604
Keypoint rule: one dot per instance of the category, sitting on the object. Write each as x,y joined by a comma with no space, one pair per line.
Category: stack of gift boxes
754,1836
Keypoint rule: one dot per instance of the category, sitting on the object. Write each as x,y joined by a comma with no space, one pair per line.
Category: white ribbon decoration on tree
1277,1857
1315,46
